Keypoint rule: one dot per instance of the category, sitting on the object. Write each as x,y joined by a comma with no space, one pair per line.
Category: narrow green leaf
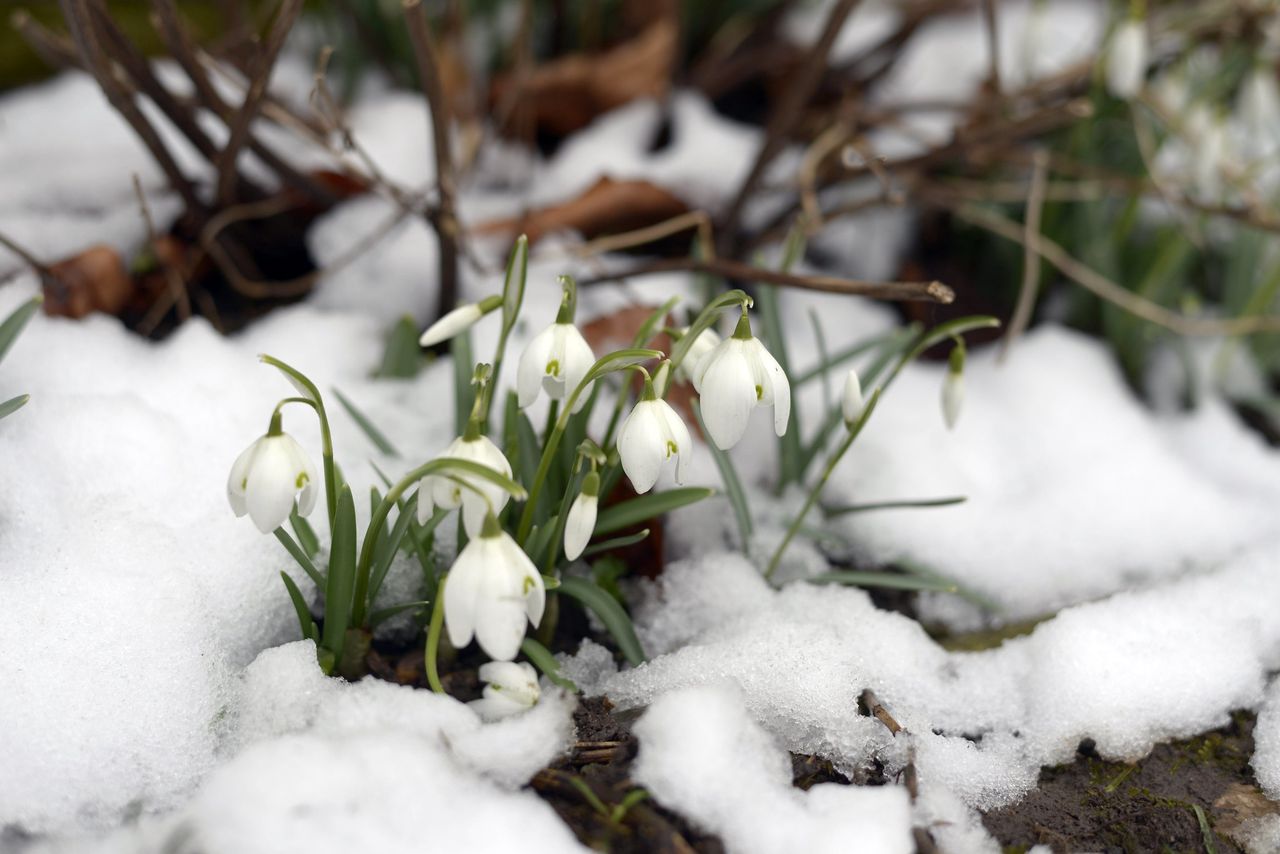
891,580
383,557
615,543
305,533
296,378
342,575
732,485
613,616
383,614
464,392
300,556
13,325
824,357
653,322
950,329
789,451
403,358
535,545
833,512
376,436
513,282
835,360
546,662
645,507
919,570
704,321
305,621
13,404
620,360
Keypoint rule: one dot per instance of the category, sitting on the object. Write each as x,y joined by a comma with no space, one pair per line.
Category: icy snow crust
155,696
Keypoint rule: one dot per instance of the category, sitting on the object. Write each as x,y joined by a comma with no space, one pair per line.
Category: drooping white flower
1259,102
652,434
491,591
512,688
478,499
459,320
580,523
953,388
268,477
852,405
702,346
556,360
733,379
1127,58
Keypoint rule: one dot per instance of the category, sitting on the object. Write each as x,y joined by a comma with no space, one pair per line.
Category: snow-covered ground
155,698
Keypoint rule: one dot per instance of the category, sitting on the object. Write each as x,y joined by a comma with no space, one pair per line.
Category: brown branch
225,164
177,287
993,45
783,119
78,17
444,216
877,710
53,49
905,291
1030,260
1105,288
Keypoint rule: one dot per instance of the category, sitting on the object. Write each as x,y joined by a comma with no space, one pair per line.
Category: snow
156,697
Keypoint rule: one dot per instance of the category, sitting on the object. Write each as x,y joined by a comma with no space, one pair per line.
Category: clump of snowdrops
531,503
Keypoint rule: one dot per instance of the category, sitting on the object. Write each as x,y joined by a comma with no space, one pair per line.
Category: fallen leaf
93,280
607,207
1239,805
566,94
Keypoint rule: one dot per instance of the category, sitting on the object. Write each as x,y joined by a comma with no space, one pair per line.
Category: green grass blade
823,357
463,392
653,322
833,512
305,621
732,485
546,662
789,443
646,507
13,404
366,426
13,325
386,553
300,556
615,543
891,580
613,616
342,575
403,358
383,614
305,533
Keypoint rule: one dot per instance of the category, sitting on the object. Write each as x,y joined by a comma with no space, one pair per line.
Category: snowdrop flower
652,434
852,405
458,321
734,378
1127,58
490,592
580,524
512,688
268,476
557,358
477,499
1259,103
953,387
704,344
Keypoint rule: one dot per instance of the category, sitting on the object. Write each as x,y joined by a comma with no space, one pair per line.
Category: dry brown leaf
607,207
93,280
566,94
1238,805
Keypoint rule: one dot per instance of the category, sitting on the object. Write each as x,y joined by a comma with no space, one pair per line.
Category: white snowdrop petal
462,592
580,525
500,616
533,363
1127,59
236,481
272,485
852,404
453,323
728,396
776,388
426,506
640,445
578,360
679,433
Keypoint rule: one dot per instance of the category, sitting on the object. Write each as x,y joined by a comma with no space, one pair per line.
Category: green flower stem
832,462
432,654
511,302
316,401
440,465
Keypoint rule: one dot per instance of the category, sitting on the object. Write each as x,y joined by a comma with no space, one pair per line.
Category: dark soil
1093,805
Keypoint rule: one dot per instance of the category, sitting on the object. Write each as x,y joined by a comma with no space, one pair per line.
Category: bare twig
53,50
1105,288
905,291
993,45
78,17
1030,260
639,237
444,216
877,710
225,164
783,119
175,279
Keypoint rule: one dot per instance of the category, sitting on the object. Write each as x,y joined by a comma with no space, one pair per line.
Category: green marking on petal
672,449
553,368
301,480
759,392
529,584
